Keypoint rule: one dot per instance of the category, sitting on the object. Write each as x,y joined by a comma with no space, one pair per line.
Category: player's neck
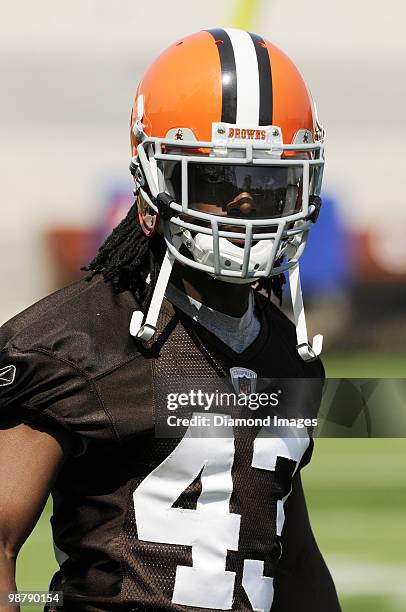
230,299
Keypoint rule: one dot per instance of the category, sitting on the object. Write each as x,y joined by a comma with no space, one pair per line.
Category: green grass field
359,365
356,492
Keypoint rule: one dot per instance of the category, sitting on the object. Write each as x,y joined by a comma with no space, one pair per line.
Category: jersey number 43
210,529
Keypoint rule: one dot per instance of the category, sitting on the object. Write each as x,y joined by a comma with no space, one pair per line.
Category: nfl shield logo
244,380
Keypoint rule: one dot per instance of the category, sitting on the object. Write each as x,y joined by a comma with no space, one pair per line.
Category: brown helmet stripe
228,75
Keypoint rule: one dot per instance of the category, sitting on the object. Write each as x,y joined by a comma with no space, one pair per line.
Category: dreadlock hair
128,257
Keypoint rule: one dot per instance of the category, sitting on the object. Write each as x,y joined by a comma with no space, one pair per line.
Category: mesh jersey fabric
78,368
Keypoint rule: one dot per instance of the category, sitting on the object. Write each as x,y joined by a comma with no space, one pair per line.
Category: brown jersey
140,522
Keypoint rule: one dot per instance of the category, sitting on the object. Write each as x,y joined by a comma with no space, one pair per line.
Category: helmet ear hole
148,219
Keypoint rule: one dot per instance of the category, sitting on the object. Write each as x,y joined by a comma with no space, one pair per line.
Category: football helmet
227,158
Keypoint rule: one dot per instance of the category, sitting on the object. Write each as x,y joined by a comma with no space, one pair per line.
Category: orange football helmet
227,157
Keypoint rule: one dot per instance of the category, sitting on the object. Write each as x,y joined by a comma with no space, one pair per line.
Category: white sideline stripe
246,64
356,577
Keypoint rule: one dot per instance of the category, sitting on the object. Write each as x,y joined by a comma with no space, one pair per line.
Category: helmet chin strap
144,329
307,351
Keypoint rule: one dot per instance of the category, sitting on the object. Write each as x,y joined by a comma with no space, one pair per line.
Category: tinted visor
256,192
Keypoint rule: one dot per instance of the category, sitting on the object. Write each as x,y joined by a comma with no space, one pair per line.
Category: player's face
242,191
242,206
251,192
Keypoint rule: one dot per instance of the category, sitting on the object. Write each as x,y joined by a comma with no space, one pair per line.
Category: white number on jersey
210,529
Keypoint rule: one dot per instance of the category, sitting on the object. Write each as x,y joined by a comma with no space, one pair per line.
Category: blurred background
69,73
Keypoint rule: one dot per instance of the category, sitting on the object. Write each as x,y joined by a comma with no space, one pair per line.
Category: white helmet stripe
246,63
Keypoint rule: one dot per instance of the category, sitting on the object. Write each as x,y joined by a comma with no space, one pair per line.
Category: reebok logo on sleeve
7,375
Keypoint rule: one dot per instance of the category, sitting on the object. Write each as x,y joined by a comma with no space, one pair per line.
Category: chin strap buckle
307,351
145,332
310,352
138,330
